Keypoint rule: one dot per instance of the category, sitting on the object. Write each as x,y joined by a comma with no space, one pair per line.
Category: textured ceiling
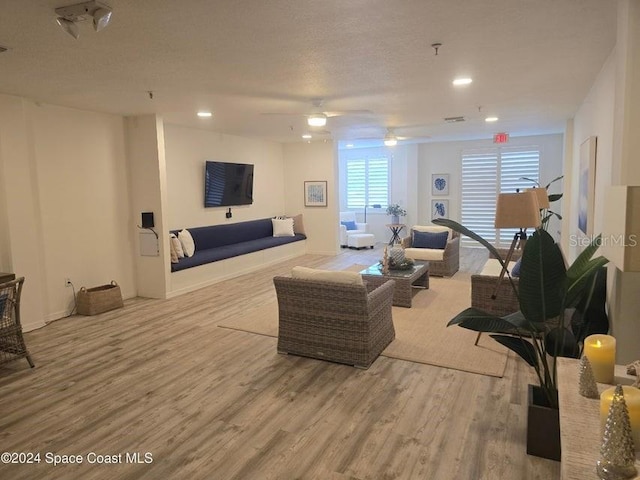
532,63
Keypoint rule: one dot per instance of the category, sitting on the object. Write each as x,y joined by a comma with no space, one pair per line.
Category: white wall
148,191
187,149
446,157
595,117
67,204
311,162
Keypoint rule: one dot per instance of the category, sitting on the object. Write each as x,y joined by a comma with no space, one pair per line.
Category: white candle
601,352
632,399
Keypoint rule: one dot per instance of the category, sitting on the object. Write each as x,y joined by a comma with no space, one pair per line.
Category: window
367,179
485,173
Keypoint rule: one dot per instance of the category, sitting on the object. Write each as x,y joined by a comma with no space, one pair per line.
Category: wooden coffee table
406,281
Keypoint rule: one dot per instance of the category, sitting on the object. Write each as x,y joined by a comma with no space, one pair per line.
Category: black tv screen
227,184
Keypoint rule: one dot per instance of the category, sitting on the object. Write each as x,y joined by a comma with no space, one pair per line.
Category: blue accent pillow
430,240
351,225
515,271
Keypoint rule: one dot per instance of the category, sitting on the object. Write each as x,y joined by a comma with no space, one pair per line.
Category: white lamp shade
621,227
517,210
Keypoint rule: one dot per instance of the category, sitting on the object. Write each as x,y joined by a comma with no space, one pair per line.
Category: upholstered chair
349,226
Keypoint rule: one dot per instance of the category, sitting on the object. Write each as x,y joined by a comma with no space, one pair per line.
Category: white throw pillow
350,278
188,245
176,245
282,227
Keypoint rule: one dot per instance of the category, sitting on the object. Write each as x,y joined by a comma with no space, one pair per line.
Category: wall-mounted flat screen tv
227,184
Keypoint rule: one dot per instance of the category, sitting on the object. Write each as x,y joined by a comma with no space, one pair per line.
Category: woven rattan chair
450,262
332,321
483,288
12,346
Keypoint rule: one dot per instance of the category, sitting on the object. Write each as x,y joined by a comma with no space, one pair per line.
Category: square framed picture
439,184
315,193
439,209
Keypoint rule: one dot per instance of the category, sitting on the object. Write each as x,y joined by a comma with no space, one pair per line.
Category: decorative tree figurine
588,387
617,453
385,261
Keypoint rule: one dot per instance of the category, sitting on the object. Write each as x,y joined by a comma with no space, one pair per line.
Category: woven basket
92,301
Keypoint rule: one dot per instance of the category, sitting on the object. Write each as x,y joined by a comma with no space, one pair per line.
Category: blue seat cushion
434,240
515,271
350,225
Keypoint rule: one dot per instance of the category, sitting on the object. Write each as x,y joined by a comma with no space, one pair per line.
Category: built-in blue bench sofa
218,242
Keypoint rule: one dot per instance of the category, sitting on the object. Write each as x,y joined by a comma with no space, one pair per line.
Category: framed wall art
439,209
440,184
315,193
587,185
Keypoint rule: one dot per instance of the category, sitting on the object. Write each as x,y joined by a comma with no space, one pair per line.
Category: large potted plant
539,333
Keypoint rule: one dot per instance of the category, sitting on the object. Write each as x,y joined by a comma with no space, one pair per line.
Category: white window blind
367,182
487,173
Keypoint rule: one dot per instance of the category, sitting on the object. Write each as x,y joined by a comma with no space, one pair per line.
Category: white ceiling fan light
317,120
390,140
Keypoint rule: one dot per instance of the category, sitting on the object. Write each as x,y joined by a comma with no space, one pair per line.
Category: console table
580,435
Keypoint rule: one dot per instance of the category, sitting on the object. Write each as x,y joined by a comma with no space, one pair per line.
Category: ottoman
361,240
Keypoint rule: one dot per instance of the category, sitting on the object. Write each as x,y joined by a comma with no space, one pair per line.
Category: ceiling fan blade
340,113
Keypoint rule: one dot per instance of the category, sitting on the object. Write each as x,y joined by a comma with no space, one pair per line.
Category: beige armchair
442,262
345,323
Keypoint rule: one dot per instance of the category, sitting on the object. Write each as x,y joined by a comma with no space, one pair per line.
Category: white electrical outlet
67,282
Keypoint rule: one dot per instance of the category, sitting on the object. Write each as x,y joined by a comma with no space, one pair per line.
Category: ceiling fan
390,138
317,117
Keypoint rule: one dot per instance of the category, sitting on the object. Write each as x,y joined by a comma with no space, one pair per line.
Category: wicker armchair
342,323
12,346
483,287
450,262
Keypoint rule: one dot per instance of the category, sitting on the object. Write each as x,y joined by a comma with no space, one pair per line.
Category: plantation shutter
367,182
485,174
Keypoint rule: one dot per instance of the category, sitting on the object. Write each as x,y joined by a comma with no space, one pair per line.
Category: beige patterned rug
421,332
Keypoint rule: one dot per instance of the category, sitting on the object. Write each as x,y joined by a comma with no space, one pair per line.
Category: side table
395,228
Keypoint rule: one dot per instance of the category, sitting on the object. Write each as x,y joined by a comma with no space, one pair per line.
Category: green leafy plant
396,210
546,213
538,333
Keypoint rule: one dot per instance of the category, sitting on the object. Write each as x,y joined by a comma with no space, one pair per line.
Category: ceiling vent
454,119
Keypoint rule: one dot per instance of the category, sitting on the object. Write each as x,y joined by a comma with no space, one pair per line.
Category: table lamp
516,210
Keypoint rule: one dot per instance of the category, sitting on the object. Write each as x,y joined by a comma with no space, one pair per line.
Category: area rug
422,335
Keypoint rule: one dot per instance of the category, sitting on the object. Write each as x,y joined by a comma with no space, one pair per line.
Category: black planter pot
543,426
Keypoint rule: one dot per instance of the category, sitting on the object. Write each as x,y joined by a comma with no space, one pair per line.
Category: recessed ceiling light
205,114
462,81
349,145
306,136
491,119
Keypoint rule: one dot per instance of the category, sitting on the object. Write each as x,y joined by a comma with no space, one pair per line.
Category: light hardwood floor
158,376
